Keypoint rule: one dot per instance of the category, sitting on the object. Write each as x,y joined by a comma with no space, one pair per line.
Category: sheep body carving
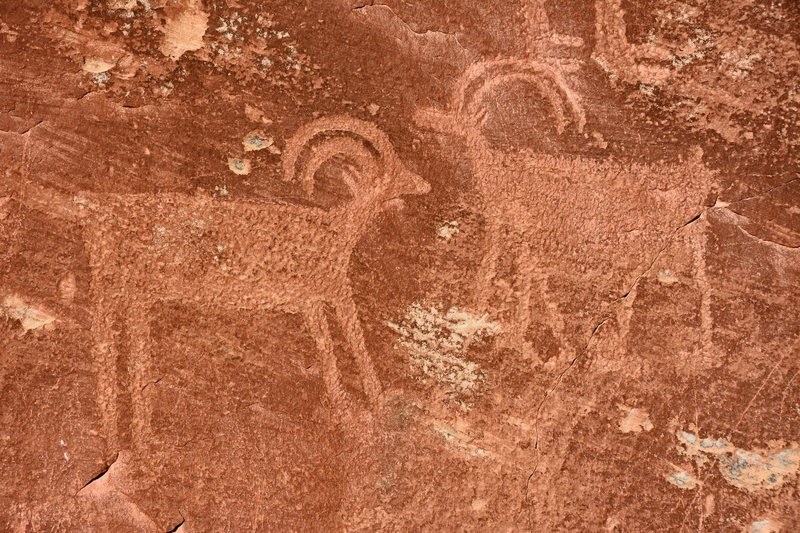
558,212
236,254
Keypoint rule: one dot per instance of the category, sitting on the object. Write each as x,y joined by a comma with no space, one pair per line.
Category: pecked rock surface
514,265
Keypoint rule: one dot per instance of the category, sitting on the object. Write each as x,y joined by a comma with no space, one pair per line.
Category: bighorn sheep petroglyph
236,254
554,211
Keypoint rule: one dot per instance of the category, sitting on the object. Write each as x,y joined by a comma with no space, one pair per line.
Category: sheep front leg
317,324
347,315
532,282
488,267
526,269
139,330
104,358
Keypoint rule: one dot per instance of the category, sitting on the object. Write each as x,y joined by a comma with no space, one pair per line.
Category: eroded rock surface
513,265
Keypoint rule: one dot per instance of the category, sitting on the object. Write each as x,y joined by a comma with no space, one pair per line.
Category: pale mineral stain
67,286
478,505
460,441
514,421
752,470
255,115
15,309
437,342
448,230
635,420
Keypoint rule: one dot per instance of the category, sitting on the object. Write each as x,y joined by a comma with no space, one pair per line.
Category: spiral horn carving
481,77
317,142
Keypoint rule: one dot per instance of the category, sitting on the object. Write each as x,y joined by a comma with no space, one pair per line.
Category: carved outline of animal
268,255
510,195
465,117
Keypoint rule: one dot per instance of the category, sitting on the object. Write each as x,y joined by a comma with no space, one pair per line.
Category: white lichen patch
240,167
635,420
437,343
683,480
447,230
746,469
100,79
647,90
765,526
256,140
229,26
13,308
248,47
666,277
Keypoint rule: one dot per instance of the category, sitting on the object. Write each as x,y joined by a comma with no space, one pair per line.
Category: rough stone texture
509,265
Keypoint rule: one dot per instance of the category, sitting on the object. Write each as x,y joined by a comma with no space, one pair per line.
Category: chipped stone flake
254,114
184,29
94,65
14,308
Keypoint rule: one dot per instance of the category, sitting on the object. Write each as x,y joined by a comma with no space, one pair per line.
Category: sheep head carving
374,174
466,112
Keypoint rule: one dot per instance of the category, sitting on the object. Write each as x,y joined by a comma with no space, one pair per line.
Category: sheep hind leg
317,324
347,315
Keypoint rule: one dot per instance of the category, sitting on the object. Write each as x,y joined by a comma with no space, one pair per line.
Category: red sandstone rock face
486,266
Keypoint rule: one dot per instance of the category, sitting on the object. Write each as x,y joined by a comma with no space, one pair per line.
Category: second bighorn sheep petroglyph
236,254
557,212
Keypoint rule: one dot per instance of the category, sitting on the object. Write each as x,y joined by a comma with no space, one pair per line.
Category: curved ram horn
317,142
483,76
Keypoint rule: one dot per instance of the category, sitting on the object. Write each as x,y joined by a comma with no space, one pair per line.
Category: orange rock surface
507,265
